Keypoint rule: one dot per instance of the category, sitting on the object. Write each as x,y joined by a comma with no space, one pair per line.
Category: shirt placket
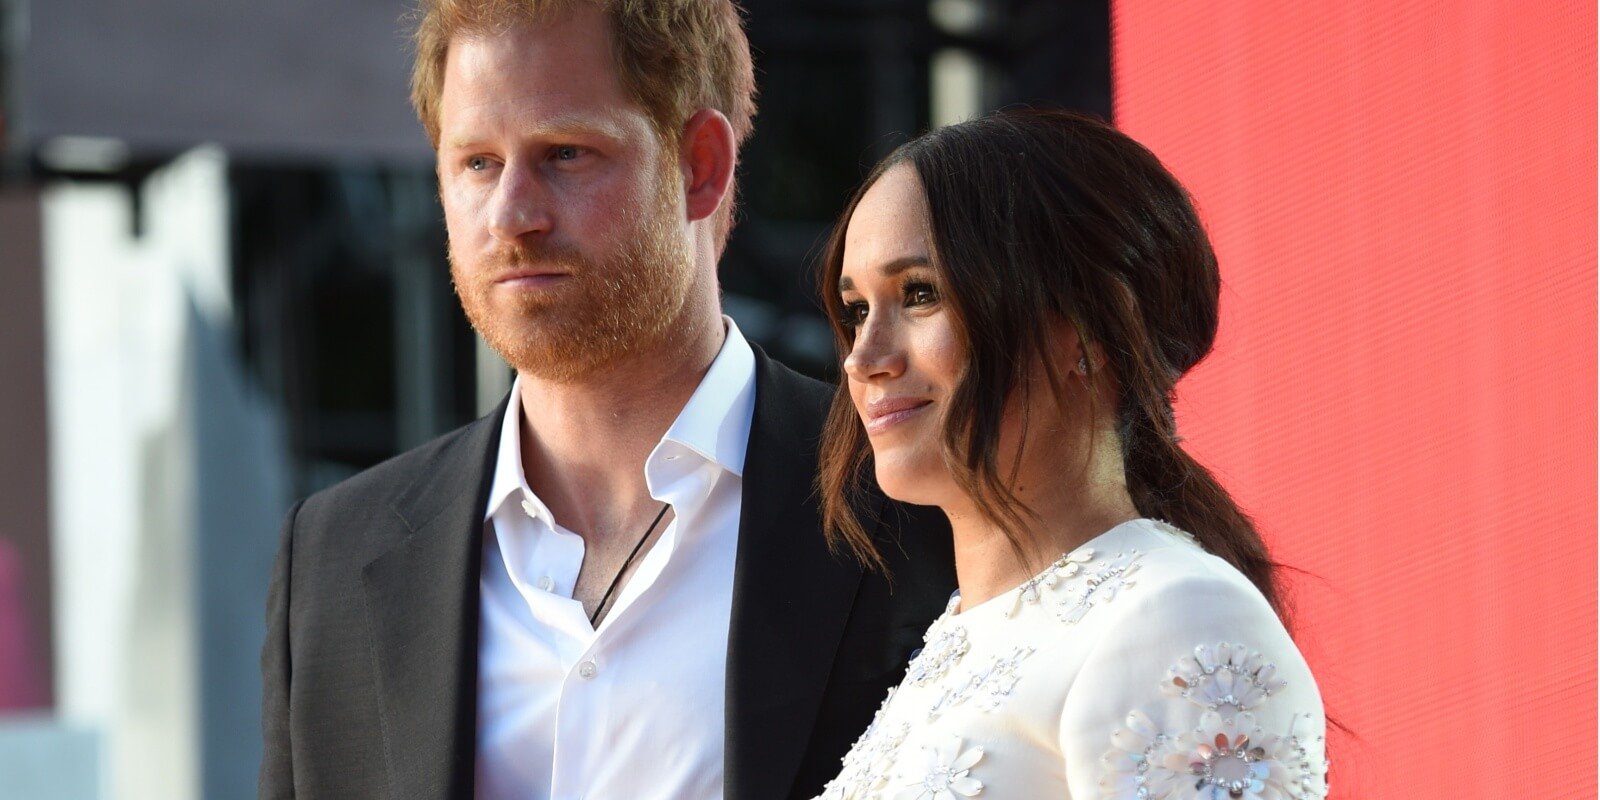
585,707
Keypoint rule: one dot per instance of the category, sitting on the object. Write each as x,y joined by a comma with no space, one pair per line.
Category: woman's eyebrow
901,264
889,269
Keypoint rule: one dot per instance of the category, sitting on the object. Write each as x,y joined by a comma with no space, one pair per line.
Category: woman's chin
919,484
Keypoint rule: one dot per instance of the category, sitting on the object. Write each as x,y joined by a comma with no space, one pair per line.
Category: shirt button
545,583
529,508
587,670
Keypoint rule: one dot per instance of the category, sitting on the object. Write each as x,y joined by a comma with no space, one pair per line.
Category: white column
138,375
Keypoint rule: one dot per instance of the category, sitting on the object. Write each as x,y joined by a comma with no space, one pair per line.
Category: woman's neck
988,564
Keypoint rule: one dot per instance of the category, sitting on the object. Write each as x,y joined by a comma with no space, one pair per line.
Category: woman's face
906,357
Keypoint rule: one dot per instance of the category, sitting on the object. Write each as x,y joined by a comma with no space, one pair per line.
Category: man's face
565,210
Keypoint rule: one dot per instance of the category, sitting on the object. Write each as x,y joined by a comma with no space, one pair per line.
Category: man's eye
477,163
921,294
567,152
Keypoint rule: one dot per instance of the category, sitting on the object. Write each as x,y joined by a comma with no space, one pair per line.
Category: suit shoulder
386,481
787,381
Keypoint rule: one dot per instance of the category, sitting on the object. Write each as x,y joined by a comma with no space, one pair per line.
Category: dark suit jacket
370,661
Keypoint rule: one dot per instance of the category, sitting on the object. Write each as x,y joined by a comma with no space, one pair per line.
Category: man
615,585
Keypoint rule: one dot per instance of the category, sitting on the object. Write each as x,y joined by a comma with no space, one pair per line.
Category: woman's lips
885,414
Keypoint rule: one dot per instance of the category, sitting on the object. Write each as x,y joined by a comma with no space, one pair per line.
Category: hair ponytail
1168,484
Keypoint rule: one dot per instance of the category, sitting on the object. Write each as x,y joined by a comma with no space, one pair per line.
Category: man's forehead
557,79
536,103
531,119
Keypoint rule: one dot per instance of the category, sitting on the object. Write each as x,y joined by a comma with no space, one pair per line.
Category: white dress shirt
1113,674
635,708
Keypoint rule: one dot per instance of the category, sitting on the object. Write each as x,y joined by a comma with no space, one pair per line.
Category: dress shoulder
1193,688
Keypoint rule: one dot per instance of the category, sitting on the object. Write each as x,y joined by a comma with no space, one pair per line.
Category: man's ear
706,154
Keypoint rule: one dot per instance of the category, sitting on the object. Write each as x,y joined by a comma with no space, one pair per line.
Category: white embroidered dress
1137,666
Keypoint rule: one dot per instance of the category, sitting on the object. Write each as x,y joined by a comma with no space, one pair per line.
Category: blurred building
223,286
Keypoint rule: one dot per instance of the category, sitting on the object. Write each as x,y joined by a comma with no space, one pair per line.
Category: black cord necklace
599,609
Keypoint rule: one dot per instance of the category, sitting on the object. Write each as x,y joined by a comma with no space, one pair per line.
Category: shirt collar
510,483
714,424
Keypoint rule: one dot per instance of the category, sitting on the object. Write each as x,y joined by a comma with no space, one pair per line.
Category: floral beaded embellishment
1077,582
1134,765
1174,530
1227,678
987,686
1227,756
948,774
1101,583
943,646
1309,773
867,765
1067,566
1234,758
1224,761
1220,759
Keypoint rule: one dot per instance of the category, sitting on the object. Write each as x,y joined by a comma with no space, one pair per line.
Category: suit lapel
791,597
422,606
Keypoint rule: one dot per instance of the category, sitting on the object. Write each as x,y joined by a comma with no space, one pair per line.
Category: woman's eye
853,314
921,294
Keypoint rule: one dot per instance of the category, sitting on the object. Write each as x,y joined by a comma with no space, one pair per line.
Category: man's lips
530,278
886,412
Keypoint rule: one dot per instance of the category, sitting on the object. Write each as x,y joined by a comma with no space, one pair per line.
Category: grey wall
279,78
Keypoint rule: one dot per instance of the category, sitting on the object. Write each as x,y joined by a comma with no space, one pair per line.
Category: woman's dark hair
1039,217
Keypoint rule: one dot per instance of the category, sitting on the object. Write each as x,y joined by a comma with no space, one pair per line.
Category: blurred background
223,286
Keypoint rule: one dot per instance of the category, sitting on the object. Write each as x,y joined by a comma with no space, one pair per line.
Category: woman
1014,298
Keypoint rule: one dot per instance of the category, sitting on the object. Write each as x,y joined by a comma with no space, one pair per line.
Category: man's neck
584,442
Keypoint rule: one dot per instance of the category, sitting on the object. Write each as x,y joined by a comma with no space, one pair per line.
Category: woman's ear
1084,359
1062,360
1090,360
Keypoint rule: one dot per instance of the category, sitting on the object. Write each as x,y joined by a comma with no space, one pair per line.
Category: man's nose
520,206
876,353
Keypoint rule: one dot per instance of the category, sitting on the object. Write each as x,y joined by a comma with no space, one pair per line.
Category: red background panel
1402,196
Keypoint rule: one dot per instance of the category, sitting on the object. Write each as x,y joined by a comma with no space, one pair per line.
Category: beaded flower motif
948,774
1077,582
1226,678
1068,566
867,765
1227,756
943,645
1134,764
1174,530
1230,758
987,685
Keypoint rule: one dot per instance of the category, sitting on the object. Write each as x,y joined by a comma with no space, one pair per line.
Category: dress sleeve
1194,690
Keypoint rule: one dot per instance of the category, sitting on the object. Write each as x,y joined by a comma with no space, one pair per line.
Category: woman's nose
876,353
